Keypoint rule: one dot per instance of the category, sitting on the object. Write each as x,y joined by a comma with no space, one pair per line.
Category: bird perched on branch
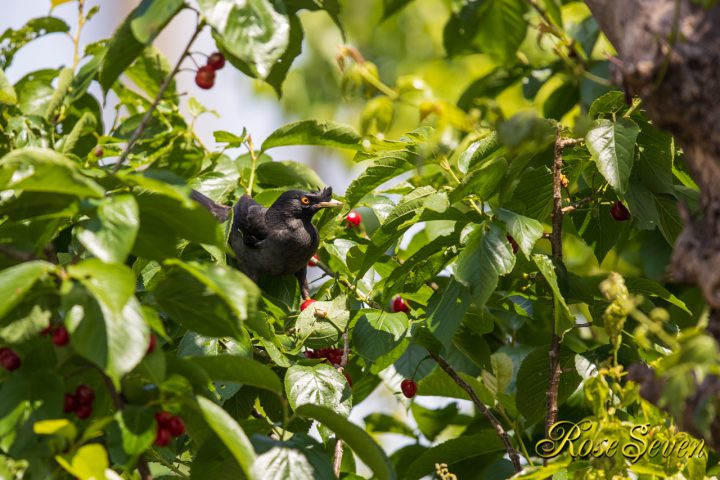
279,240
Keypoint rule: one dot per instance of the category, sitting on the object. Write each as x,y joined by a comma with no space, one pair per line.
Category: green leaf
233,368
384,423
525,132
398,221
89,462
455,450
478,151
499,377
212,300
355,437
62,427
231,434
431,422
439,384
7,92
532,382
84,126
288,174
256,32
482,182
16,282
608,104
115,336
391,7
314,132
564,320
280,69
445,310
386,166
299,458
318,385
63,86
487,255
42,170
612,146
645,286
132,433
490,86
670,223
323,331
377,333
137,31
232,140
496,27
111,232
525,230
149,71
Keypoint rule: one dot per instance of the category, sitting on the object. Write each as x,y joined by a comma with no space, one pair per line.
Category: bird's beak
330,204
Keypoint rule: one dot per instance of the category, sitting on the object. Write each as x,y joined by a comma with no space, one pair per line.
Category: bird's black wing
249,219
221,212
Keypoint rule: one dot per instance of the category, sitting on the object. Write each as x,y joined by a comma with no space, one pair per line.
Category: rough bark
670,52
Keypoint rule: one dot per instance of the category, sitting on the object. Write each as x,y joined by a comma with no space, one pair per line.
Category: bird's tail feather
221,212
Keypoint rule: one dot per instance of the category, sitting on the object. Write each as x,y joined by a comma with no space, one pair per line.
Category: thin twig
11,252
512,453
253,165
76,38
148,115
557,256
142,465
338,454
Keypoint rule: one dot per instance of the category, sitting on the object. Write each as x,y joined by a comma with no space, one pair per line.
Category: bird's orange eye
305,201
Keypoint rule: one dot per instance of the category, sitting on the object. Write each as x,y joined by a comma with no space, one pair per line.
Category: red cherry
163,418
152,343
9,360
60,336
46,331
216,61
84,395
513,243
99,152
353,219
399,305
307,303
69,405
349,380
176,426
83,411
205,77
313,262
408,387
309,354
619,212
163,437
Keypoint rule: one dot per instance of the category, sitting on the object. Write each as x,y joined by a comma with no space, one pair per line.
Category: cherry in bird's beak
332,203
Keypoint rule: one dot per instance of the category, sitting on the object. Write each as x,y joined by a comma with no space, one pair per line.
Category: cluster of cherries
60,335
333,355
168,426
205,75
80,403
9,360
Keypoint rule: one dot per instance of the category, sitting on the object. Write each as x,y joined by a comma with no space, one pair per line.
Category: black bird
279,240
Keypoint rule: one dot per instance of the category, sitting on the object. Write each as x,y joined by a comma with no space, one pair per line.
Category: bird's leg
302,281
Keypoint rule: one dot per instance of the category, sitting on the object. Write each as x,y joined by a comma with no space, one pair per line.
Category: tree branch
504,438
557,256
142,466
148,115
338,454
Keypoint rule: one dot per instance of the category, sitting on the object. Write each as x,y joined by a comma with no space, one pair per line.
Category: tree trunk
670,52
